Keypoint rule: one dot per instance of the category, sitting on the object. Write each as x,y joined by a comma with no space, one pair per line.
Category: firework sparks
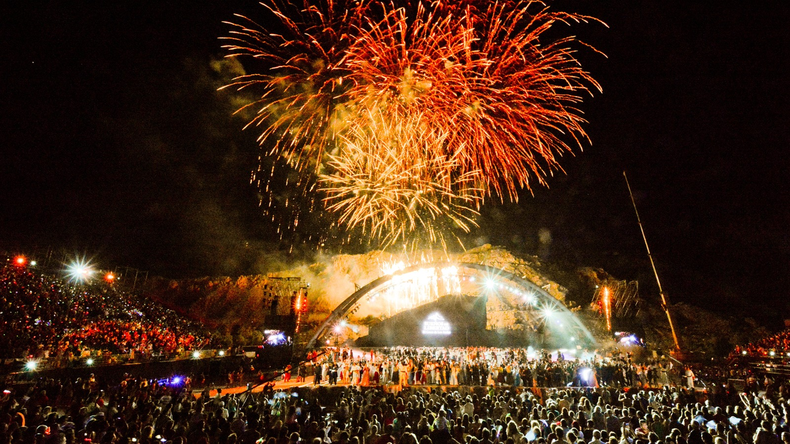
408,121
504,98
411,290
387,181
300,109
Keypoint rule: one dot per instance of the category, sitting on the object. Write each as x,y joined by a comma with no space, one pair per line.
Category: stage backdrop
448,321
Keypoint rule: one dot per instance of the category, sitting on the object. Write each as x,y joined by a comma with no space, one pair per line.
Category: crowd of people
776,345
42,316
408,366
134,410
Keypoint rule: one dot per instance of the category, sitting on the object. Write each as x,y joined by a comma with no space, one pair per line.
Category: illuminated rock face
343,274
248,300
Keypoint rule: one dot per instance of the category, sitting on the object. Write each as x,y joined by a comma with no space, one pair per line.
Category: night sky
117,145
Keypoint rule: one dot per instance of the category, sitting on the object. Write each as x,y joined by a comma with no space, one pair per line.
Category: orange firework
300,107
394,187
505,97
403,112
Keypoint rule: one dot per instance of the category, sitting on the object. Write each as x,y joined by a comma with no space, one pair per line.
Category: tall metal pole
664,298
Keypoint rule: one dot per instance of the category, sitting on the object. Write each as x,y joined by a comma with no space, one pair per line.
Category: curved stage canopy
533,299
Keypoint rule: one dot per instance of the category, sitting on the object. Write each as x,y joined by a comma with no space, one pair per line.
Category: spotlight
196,354
89,361
79,271
31,365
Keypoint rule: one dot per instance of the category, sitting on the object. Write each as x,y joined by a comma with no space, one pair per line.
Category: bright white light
435,324
89,361
196,354
276,338
585,374
31,365
80,271
772,353
338,329
490,284
548,312
222,352
530,298
629,340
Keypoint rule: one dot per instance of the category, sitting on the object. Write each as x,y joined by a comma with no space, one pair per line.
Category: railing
97,359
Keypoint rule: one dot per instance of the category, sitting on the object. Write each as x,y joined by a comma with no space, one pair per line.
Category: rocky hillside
238,307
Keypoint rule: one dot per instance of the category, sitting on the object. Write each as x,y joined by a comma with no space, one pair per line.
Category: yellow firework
389,180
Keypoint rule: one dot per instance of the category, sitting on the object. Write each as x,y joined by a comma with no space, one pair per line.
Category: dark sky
117,145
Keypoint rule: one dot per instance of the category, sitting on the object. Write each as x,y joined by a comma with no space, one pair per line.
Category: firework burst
301,107
389,182
405,117
505,98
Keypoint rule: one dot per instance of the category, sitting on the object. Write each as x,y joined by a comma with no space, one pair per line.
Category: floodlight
79,271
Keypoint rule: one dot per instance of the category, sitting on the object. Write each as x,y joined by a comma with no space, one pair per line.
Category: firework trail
403,118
